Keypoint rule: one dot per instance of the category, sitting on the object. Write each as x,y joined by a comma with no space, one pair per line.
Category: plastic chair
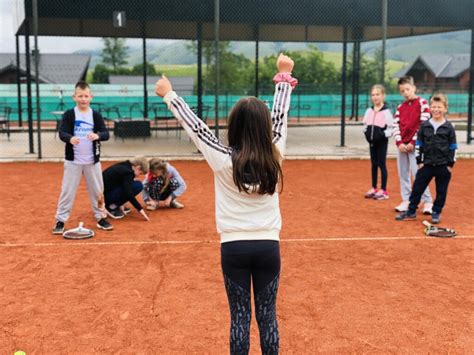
162,114
5,120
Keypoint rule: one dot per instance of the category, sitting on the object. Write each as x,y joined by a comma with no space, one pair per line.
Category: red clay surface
353,279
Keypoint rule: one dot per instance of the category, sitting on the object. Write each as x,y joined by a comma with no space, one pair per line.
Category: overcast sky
11,14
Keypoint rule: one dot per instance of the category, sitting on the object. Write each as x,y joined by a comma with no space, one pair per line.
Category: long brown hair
255,159
160,165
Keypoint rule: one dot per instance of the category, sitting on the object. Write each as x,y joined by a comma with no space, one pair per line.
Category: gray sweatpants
407,167
71,179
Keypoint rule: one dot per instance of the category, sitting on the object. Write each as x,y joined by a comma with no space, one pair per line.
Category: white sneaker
402,207
428,208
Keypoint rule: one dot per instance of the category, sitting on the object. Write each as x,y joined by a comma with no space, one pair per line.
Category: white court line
157,242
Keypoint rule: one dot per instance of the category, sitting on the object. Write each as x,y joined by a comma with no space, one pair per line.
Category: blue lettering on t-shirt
82,128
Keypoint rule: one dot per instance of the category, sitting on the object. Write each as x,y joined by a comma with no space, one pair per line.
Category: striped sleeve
396,127
214,151
425,114
281,106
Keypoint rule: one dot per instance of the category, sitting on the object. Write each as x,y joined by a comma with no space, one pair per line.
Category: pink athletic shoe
381,195
370,193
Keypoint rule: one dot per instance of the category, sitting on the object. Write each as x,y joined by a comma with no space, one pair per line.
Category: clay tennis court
353,279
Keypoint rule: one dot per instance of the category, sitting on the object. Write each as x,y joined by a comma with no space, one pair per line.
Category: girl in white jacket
247,180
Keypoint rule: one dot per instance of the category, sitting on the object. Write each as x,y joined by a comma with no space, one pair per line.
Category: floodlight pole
216,45
471,87
36,59
18,79
357,83
199,70
28,86
384,37
145,78
343,86
257,45
354,49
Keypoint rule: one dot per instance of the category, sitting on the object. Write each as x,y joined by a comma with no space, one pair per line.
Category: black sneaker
58,228
126,210
435,217
103,224
115,213
406,216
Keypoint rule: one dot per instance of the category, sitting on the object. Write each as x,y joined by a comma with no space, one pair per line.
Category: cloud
11,14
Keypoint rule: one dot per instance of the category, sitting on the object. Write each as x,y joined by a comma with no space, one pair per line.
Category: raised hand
163,86
284,64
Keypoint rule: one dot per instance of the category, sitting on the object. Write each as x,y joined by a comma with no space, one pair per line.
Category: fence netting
337,48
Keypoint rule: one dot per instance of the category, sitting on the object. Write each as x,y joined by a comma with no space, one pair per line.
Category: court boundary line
174,242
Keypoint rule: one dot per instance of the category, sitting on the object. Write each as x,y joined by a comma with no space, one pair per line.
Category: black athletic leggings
378,158
256,262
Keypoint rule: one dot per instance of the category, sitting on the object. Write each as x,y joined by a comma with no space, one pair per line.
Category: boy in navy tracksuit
435,155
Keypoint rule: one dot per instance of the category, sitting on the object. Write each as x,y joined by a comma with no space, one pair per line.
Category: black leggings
378,157
258,262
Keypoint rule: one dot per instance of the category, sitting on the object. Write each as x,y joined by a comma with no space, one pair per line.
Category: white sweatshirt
239,215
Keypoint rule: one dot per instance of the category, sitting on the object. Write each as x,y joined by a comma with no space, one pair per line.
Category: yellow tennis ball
19,352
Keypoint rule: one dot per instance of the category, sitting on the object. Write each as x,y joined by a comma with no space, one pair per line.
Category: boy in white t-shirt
81,129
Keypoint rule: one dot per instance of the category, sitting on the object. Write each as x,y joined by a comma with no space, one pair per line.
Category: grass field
334,57
177,69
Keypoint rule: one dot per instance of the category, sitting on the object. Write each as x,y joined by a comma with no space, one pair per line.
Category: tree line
237,72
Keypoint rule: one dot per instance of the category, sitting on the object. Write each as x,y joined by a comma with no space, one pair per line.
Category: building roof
53,68
183,85
249,20
440,65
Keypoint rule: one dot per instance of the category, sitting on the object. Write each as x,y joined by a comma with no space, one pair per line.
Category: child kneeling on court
435,154
162,185
248,180
121,186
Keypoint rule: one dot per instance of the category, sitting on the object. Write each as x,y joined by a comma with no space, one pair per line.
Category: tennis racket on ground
439,232
78,233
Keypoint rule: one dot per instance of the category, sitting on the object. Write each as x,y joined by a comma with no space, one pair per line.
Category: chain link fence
340,50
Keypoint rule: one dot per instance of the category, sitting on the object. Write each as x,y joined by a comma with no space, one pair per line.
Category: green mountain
400,49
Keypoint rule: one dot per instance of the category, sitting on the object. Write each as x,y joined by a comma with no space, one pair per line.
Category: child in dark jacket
121,186
435,155
82,129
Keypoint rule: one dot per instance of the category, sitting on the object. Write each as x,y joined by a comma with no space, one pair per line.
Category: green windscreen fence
126,102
